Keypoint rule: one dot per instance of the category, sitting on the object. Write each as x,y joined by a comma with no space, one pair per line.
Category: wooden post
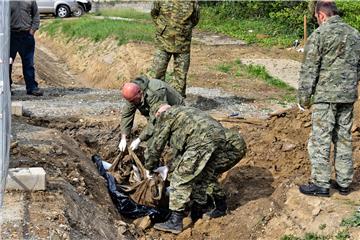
305,30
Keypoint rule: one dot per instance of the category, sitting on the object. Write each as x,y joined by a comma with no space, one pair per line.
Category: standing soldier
145,95
202,150
25,21
330,74
174,21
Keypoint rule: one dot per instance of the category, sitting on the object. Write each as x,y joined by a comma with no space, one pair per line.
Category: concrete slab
27,179
17,108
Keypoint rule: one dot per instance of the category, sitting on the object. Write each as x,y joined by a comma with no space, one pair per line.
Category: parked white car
64,8
84,6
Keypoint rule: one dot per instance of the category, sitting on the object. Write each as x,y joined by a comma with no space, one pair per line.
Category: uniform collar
333,19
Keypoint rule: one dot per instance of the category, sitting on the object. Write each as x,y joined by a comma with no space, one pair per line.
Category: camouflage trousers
331,123
181,68
226,159
195,169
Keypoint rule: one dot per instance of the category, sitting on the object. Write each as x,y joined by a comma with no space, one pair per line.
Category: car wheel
62,11
78,11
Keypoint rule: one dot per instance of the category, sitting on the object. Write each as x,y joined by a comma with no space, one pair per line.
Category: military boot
174,224
220,208
313,190
197,210
342,190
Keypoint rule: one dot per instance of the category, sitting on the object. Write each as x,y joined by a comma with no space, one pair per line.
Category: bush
289,14
349,10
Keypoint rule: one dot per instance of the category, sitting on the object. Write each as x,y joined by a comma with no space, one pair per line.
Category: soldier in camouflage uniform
146,96
174,21
201,152
235,149
330,75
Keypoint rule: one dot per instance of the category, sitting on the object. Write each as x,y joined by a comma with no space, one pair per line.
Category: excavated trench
78,197
62,130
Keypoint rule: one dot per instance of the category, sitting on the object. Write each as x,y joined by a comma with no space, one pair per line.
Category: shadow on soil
50,93
355,186
206,104
246,183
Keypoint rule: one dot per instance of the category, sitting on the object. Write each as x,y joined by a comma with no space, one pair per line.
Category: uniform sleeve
195,17
155,100
157,144
148,131
35,16
155,10
158,98
127,118
310,68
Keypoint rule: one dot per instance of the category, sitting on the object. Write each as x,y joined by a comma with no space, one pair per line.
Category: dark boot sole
316,194
344,193
167,229
210,215
336,186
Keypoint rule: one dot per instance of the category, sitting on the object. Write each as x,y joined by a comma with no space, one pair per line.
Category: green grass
322,226
238,69
124,12
224,67
264,32
100,29
308,236
343,235
353,221
260,72
289,237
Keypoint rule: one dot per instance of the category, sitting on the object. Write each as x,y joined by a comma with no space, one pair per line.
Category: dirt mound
98,65
76,204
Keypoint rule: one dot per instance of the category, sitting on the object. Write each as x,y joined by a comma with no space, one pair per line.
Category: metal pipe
5,95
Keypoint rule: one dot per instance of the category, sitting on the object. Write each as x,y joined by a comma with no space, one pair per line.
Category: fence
5,101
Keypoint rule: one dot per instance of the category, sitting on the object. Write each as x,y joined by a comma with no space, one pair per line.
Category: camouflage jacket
331,67
174,21
184,128
155,93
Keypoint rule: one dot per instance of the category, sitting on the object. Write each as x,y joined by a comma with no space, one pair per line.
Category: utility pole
305,29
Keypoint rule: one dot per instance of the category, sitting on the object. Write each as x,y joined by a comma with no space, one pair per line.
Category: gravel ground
66,102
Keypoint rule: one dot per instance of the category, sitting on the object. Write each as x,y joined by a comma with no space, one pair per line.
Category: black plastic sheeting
126,206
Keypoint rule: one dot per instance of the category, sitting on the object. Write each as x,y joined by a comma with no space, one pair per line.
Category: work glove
122,144
163,171
135,144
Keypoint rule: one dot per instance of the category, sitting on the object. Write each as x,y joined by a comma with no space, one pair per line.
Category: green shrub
279,19
350,12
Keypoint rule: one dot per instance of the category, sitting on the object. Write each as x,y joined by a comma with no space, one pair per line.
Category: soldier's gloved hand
122,144
135,144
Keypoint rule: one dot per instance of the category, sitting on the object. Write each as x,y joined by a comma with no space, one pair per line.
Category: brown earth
107,65
262,189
